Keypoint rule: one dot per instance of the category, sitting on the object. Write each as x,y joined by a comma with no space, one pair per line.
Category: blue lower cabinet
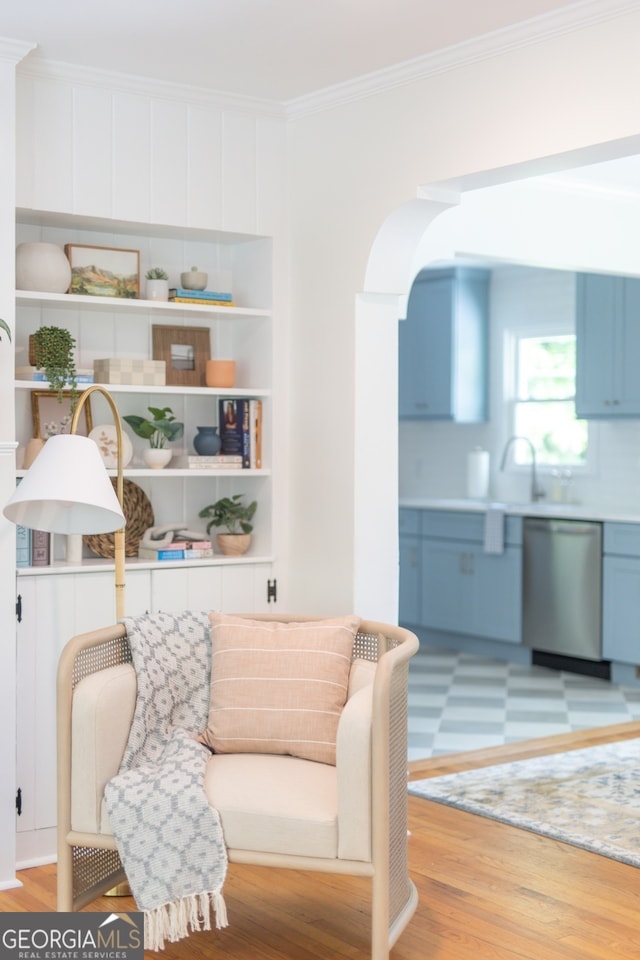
410,577
621,593
465,590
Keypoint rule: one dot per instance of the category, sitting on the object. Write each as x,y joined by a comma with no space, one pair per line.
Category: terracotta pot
233,544
220,373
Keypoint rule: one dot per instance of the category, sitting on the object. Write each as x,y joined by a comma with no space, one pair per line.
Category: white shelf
69,301
167,473
149,388
96,564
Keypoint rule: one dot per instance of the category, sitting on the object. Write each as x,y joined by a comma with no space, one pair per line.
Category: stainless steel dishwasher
562,587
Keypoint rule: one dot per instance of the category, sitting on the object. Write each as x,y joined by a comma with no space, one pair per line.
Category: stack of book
206,297
33,547
240,429
217,462
178,550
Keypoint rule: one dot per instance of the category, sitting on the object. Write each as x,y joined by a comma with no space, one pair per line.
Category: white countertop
573,511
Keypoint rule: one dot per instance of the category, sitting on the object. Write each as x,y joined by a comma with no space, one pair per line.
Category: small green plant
53,352
156,273
163,427
5,326
230,513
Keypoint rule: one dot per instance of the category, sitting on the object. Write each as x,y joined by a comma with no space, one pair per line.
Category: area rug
589,798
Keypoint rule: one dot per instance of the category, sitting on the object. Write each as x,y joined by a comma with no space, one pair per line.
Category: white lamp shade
66,490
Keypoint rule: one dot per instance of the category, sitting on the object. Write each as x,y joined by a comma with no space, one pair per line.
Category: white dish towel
494,529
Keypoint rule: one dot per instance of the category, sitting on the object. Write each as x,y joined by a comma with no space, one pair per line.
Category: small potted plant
235,517
51,349
5,326
157,284
162,428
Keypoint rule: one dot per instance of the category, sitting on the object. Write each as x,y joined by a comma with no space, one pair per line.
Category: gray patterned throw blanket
169,839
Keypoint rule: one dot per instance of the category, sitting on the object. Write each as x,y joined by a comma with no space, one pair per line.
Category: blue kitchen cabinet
607,346
621,593
465,590
443,347
410,567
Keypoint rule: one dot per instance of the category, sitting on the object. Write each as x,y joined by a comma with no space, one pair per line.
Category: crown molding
144,86
15,50
574,16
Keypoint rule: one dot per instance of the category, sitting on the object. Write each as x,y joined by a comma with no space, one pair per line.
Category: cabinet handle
470,570
462,563
422,406
413,557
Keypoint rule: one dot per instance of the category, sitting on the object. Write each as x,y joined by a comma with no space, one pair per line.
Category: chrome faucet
537,493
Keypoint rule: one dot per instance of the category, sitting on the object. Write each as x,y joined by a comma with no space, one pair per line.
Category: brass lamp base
120,890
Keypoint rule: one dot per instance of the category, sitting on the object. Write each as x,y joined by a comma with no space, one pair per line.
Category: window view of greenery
544,407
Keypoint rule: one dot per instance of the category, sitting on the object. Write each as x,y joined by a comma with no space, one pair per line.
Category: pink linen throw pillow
278,687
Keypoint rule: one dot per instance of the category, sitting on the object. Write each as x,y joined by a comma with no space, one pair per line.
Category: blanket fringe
174,921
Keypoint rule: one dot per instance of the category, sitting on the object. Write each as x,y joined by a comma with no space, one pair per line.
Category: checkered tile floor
462,702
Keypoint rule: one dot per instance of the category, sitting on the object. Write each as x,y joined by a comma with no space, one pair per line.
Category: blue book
23,546
200,294
233,428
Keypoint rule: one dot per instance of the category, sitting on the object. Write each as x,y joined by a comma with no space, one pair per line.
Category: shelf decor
185,351
104,271
52,417
139,517
43,267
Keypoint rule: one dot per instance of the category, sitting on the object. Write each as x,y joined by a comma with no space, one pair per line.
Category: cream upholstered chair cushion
276,803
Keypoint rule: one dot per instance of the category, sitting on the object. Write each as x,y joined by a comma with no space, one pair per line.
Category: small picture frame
185,351
104,271
50,417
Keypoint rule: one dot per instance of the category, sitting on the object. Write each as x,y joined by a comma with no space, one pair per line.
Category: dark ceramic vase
207,442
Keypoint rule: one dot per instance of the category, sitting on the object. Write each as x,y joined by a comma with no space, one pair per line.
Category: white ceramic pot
157,289
42,267
156,457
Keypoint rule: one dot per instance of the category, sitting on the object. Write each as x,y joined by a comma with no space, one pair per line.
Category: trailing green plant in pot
235,517
53,351
161,429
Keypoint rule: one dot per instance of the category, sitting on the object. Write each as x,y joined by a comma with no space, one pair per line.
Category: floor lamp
67,490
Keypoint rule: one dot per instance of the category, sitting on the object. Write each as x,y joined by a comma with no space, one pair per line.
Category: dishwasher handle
575,528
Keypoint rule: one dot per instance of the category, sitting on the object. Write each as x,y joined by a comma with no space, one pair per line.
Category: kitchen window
544,402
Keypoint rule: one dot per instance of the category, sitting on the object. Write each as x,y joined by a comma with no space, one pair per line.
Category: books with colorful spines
39,376
200,294
166,553
170,553
208,302
233,420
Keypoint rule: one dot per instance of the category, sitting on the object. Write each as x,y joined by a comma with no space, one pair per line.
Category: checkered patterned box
136,372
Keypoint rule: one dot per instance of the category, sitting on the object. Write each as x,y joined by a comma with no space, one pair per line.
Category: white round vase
42,267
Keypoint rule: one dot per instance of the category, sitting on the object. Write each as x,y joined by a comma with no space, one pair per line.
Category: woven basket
139,516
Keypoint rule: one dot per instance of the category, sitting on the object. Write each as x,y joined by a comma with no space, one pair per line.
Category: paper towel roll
478,474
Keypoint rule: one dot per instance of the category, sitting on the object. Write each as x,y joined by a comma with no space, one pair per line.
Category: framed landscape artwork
104,271
185,351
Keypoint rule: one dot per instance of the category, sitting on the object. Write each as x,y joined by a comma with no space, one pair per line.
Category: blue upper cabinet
443,347
607,346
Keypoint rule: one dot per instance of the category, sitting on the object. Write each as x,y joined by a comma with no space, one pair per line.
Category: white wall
352,167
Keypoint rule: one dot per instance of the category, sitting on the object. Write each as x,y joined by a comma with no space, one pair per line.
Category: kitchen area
524,563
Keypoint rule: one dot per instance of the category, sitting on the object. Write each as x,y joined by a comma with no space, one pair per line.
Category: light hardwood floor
487,891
